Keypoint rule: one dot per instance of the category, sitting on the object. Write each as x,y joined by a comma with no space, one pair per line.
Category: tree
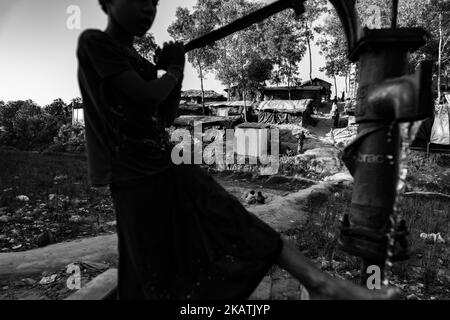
59,111
438,19
314,10
333,46
189,26
375,14
432,15
146,46
259,70
23,123
284,46
236,53
8,113
76,103
28,126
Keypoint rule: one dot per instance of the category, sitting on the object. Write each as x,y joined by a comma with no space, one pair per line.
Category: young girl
181,235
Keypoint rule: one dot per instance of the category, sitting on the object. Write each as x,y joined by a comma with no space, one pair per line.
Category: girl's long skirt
183,236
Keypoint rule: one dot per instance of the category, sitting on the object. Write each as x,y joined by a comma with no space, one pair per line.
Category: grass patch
426,273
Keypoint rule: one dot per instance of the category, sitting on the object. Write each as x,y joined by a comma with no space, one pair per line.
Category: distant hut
285,111
325,91
227,108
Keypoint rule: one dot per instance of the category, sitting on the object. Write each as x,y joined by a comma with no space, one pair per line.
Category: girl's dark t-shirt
125,140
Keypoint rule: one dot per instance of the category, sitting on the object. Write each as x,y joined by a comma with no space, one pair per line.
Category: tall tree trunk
439,59
289,89
335,86
308,41
346,86
349,78
229,93
201,86
289,82
245,104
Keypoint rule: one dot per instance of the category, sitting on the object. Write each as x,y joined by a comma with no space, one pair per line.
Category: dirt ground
29,287
46,200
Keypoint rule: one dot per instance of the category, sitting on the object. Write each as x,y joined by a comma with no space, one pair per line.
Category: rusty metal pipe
244,22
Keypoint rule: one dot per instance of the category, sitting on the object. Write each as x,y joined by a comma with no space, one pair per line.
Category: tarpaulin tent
284,111
226,108
434,134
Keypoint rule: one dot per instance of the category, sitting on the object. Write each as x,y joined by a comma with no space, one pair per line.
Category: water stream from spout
408,131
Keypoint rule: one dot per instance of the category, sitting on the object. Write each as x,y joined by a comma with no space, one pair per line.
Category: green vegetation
426,273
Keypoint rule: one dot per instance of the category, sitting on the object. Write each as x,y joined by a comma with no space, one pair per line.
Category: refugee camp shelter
298,93
252,139
285,111
195,96
325,86
434,133
228,108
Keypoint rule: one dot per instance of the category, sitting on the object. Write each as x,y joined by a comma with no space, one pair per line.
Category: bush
61,112
25,125
70,138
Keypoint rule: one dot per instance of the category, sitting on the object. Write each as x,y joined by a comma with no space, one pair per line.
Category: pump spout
404,99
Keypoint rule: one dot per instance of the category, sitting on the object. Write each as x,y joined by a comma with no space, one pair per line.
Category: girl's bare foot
322,286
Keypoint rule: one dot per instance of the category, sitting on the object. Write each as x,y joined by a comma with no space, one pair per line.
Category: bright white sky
37,55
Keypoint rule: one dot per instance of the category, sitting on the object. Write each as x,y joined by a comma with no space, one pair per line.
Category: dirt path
57,256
